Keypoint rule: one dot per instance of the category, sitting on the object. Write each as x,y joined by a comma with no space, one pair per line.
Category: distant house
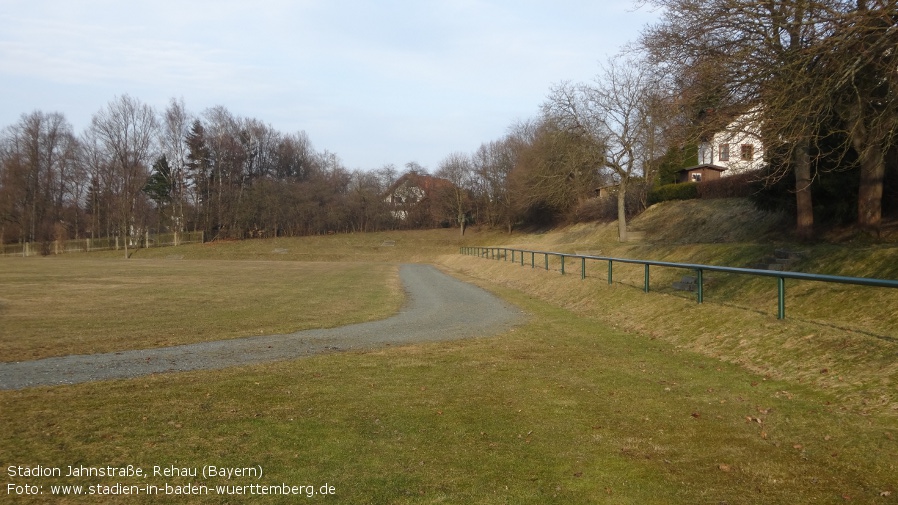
733,150
412,193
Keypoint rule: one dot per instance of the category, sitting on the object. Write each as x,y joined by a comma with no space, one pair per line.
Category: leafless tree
455,197
492,165
127,128
614,111
37,155
555,170
770,57
175,127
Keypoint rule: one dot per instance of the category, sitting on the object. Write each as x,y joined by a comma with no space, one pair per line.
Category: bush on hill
683,191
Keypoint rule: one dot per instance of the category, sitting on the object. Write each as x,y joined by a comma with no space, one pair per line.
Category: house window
748,152
724,150
696,177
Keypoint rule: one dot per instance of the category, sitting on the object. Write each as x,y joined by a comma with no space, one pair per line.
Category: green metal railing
502,253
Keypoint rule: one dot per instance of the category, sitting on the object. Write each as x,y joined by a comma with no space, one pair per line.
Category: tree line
817,78
134,168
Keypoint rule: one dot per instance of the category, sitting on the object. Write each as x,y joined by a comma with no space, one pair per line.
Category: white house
738,148
411,190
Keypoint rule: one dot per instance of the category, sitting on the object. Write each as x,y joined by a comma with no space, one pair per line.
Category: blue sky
374,82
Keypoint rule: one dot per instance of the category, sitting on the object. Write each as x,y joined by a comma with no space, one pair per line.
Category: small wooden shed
700,173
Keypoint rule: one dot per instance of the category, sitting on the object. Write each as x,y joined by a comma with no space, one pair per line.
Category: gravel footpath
438,307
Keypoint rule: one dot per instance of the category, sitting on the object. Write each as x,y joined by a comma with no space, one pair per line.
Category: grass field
607,395
74,305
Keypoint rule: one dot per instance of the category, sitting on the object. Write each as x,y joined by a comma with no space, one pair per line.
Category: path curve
437,307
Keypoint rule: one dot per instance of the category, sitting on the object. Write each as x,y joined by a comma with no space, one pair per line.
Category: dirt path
438,307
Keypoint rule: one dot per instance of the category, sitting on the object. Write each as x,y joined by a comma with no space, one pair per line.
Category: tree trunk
869,202
622,210
804,204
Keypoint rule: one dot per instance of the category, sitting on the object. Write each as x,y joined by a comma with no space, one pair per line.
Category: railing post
522,258
562,263
532,259
512,255
781,294
609,271
700,287
582,268
646,286
547,262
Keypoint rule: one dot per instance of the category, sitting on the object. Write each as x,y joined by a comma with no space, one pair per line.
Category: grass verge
58,306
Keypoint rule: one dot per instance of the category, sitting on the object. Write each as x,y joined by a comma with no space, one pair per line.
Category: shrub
683,191
734,186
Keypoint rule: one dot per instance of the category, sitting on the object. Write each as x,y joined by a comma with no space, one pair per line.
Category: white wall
741,132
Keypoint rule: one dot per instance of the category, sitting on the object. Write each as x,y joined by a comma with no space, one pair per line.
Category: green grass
81,304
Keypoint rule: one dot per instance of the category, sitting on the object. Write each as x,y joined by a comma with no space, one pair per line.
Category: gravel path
438,307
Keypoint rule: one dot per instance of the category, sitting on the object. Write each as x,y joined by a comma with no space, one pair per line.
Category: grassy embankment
607,395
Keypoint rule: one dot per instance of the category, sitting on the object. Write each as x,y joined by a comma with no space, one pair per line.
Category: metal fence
519,255
147,240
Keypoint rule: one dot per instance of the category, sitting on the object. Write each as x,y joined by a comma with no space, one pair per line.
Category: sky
375,82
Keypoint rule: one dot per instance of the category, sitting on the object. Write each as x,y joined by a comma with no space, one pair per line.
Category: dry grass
562,410
608,394
73,305
858,367
393,246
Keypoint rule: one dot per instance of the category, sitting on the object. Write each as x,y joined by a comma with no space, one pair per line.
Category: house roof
703,165
427,183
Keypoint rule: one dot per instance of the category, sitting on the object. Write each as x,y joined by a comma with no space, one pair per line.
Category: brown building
412,197
700,173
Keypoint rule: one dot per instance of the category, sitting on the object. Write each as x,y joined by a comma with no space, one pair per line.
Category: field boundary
502,253
54,247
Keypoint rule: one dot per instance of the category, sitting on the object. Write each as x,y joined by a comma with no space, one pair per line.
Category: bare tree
493,163
455,197
734,56
554,171
38,158
175,127
615,112
127,128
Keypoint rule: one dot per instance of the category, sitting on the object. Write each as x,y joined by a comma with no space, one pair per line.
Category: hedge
683,191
